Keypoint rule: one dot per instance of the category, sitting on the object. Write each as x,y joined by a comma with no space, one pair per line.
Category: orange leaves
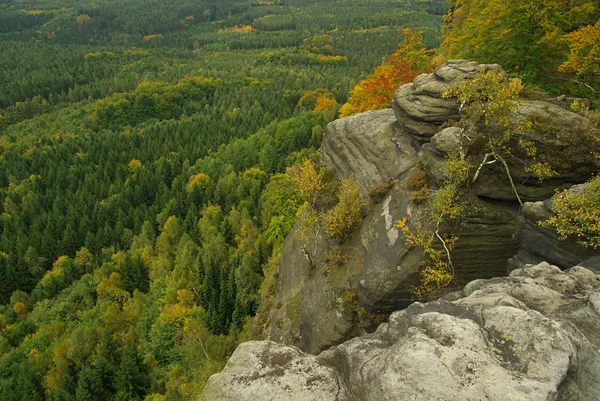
377,90
319,99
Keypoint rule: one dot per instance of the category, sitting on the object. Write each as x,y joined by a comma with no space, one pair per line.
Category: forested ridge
143,152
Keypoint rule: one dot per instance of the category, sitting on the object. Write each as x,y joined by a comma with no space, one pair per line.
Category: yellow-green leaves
578,214
346,216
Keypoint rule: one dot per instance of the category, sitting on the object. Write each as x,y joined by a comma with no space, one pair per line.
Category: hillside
176,184
140,144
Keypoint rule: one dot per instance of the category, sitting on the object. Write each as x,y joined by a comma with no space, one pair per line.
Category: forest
143,155
150,154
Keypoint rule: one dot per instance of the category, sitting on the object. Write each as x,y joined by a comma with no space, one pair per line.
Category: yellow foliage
20,309
308,179
134,165
238,29
583,59
33,12
578,214
174,315
98,54
437,271
155,36
346,216
319,99
136,52
83,18
111,288
198,181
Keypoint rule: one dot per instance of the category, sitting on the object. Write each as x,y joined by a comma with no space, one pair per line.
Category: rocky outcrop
532,336
542,243
320,304
420,107
269,371
421,110
368,148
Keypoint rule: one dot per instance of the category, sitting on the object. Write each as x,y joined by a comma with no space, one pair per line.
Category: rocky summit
533,335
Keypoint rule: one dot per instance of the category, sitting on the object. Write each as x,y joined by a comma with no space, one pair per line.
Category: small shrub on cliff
418,183
346,216
578,214
378,191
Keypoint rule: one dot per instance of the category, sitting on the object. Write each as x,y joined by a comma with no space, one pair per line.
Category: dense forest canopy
143,156
553,44
153,156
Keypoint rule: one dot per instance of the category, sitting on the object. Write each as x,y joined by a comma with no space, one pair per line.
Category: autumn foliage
551,43
377,90
319,100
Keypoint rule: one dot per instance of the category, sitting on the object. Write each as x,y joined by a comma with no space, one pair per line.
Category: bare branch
450,265
512,184
437,234
483,163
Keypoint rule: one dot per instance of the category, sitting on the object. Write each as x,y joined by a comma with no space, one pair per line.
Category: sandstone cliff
529,336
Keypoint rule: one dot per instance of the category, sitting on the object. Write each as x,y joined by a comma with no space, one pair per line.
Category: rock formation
420,107
530,336
540,243
533,335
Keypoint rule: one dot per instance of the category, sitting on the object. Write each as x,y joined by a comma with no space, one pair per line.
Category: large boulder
273,372
530,336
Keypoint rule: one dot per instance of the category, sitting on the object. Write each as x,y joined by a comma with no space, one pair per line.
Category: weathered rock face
273,372
316,307
369,148
553,134
532,336
542,243
419,106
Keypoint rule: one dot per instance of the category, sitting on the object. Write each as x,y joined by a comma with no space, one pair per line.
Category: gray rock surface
552,134
419,106
542,243
367,147
532,336
447,140
269,371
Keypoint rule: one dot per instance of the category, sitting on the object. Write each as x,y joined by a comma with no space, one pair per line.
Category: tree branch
483,163
512,184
